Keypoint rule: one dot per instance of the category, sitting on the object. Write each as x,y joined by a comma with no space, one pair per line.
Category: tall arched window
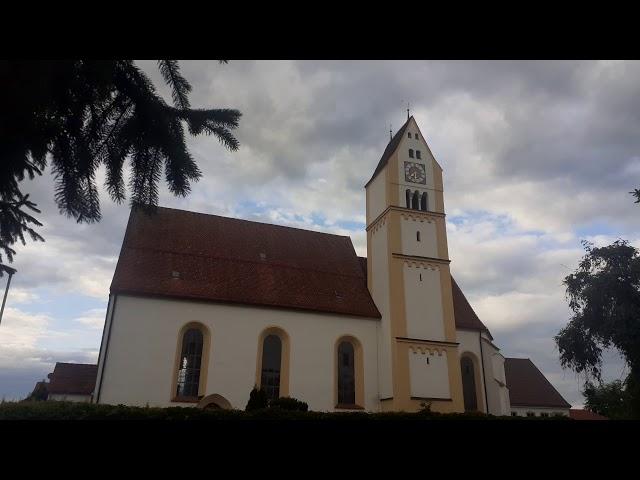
408,195
271,362
423,202
346,374
188,382
415,201
468,384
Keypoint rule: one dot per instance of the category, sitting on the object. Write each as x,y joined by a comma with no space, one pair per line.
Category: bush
257,400
290,404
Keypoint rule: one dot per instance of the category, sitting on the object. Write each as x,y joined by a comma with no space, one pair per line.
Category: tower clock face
414,173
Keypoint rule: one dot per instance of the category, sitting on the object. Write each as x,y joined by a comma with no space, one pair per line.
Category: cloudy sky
537,156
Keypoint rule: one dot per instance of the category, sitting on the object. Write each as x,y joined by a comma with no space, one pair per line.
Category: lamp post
10,271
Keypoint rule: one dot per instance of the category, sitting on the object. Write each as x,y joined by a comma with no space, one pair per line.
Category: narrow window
424,202
271,360
544,414
416,136
411,153
190,360
418,235
531,414
427,360
421,280
514,414
346,374
418,154
408,195
415,201
468,385
409,134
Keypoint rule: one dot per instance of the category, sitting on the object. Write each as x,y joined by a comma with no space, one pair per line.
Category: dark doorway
468,385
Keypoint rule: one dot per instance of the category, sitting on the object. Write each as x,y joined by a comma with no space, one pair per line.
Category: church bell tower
409,278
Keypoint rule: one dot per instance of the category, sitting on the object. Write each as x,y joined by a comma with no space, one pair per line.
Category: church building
202,308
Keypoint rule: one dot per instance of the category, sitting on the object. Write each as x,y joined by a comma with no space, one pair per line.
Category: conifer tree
77,115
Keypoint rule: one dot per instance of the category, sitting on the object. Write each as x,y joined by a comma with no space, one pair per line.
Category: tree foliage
613,400
79,115
604,295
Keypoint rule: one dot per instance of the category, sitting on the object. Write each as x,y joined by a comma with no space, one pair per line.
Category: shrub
257,400
289,403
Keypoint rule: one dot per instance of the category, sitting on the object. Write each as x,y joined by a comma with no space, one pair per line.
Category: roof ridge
252,221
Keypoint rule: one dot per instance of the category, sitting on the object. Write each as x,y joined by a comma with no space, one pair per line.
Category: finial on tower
390,132
407,110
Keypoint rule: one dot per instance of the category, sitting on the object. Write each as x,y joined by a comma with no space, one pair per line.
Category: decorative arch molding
424,350
422,265
284,358
358,372
417,217
477,375
204,361
215,401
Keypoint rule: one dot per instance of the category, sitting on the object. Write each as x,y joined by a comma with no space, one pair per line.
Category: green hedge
87,411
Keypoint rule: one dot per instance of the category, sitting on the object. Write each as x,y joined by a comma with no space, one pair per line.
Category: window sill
186,399
342,406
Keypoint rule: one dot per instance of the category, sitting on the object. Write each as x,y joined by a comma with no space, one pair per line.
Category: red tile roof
192,255
581,414
465,317
73,379
528,387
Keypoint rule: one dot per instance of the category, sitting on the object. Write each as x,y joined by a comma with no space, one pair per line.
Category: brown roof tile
73,379
239,261
465,317
528,387
581,414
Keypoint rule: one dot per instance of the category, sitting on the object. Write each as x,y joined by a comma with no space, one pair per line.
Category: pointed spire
390,132
407,111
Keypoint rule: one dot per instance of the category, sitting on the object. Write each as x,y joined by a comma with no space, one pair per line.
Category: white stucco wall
423,303
427,246
144,333
522,411
378,250
429,379
69,398
377,191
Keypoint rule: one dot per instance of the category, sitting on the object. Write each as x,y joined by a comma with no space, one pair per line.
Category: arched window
468,384
271,362
346,374
408,195
411,153
423,202
349,371
409,134
415,201
418,154
188,382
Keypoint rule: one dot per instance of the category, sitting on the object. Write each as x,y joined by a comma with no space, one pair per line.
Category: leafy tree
257,399
613,400
604,295
79,115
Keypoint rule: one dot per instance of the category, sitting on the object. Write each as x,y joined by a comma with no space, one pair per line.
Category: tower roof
391,147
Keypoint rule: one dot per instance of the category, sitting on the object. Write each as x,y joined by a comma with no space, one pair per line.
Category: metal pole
4,300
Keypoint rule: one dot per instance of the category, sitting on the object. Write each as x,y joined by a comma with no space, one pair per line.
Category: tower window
420,277
410,153
418,154
409,134
418,236
408,195
424,202
417,139
415,201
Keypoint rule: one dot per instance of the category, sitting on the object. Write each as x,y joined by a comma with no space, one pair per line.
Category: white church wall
427,246
63,397
423,302
538,411
429,374
380,295
141,372
497,391
377,192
